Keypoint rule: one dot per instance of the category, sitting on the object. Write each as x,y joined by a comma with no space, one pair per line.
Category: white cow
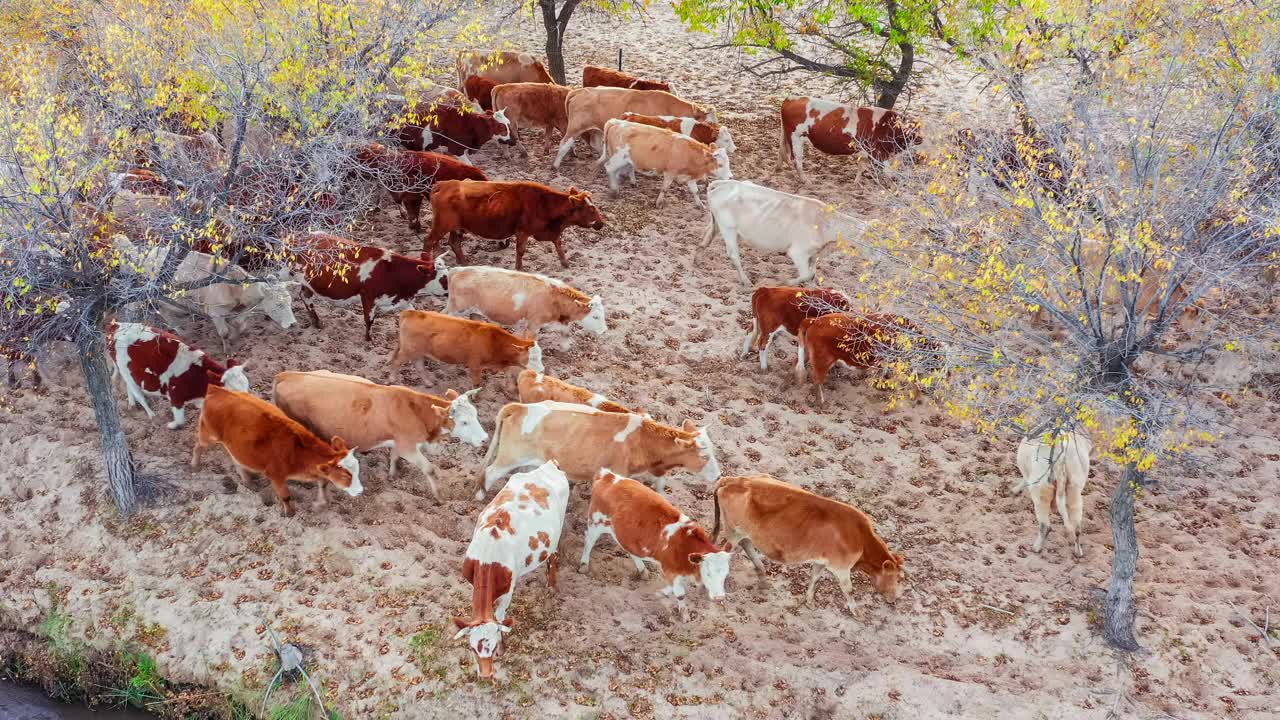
230,304
773,220
517,532
1059,468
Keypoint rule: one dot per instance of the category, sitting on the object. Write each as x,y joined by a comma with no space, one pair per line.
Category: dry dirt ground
985,628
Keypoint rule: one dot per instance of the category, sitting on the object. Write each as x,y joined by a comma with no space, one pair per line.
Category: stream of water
21,703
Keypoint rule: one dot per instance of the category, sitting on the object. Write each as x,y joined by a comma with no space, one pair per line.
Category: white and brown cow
536,387
650,528
501,66
510,297
792,526
775,221
156,363
840,129
707,133
517,532
631,147
479,346
583,439
1056,467
781,309
368,416
588,109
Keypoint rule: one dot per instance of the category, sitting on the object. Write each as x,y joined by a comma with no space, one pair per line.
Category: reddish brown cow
479,346
533,105
840,129
604,77
409,175
340,270
499,210
259,437
457,129
154,362
776,310
857,340
480,89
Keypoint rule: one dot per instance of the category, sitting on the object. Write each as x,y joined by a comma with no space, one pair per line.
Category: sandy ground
985,628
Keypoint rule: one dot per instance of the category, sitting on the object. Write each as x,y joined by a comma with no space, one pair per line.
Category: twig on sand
1266,623
996,609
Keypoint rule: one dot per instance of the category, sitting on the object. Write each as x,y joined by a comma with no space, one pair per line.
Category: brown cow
479,346
501,66
409,175
780,309
650,528
259,437
499,210
840,129
535,387
858,341
480,89
456,128
604,77
588,109
533,105
791,526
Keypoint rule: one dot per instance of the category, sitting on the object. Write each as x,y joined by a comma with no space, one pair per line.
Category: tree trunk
1119,609
890,90
115,446
556,26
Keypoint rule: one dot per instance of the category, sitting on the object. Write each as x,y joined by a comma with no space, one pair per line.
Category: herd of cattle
316,421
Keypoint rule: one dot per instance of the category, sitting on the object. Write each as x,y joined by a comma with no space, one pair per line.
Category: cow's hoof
583,569
479,496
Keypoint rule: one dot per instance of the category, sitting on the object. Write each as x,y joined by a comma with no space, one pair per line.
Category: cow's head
582,212
277,304
695,454
909,132
504,131
725,140
707,114
707,453
594,321
533,360
722,164
885,577
464,421
343,469
713,568
485,639
368,159
438,285
234,377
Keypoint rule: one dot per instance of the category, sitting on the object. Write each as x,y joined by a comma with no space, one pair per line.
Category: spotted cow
840,129
778,310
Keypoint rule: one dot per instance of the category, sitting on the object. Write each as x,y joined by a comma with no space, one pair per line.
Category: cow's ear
572,190
460,623
695,558
509,623
897,558
728,547
451,394
688,426
888,565
426,268
338,444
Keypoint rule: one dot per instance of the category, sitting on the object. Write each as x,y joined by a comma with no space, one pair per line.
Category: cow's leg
764,351
815,570
845,578
693,190
422,371
752,555
412,209
559,244
418,460
666,183
243,473
595,529
642,572
730,235
322,493
797,155
752,336
281,488
307,295
805,264
522,242
1041,499
179,417
566,145
1071,514
819,370
476,373
367,305
200,444
553,562
676,589
660,484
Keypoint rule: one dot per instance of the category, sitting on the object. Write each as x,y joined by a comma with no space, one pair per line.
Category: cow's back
254,430
532,103
593,107
579,438
498,294
787,523
355,409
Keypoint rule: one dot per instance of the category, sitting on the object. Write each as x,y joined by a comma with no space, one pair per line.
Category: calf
340,270
777,310
588,109
533,105
157,363
857,341
260,438
604,77
516,533
479,346
1059,468
480,89
792,526
583,439
776,221
536,387
629,147
499,210
409,176
229,304
368,416
508,298
501,66
458,129
840,129
707,133
650,528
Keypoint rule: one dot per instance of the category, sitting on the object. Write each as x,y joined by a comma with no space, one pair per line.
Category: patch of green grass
425,646
56,628
144,684
301,707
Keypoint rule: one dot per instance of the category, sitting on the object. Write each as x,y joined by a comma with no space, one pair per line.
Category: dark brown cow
458,129
859,341
840,129
338,269
499,210
604,77
480,89
409,175
781,309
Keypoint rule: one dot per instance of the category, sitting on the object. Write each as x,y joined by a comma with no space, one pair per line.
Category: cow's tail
710,233
784,155
715,501
491,454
